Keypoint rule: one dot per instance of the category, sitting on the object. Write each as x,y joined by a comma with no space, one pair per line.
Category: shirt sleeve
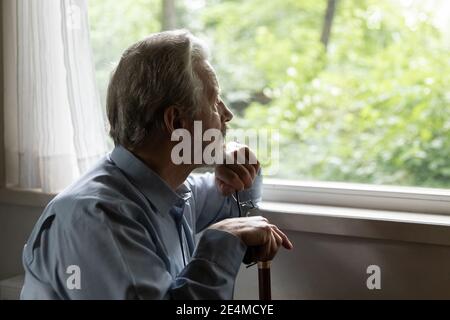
118,259
211,206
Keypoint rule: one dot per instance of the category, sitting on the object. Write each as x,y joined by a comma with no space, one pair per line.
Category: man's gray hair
165,69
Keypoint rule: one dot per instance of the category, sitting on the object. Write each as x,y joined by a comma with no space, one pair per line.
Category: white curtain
54,124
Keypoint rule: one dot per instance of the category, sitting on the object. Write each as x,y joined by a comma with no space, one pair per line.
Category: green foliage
114,26
373,108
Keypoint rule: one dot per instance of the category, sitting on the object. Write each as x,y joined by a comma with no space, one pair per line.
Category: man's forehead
212,80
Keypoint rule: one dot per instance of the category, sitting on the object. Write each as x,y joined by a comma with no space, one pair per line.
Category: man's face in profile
207,128
215,114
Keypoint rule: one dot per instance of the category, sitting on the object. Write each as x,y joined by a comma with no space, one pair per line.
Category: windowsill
29,198
318,193
10,288
355,222
417,227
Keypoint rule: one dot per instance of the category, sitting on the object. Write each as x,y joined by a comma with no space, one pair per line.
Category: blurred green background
358,89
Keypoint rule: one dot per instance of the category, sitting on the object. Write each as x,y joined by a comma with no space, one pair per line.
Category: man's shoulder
104,189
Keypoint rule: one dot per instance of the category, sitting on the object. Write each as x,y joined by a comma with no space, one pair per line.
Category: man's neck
160,162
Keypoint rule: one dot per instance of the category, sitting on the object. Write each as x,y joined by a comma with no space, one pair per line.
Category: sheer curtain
54,124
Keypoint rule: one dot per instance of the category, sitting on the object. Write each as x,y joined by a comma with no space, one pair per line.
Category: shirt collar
149,182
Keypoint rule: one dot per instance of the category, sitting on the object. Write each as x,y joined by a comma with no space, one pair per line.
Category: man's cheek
214,123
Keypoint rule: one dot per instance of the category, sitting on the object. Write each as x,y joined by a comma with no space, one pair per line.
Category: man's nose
227,115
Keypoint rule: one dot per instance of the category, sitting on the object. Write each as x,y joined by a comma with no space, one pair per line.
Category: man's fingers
256,232
259,219
243,174
270,248
224,188
251,162
236,175
278,238
252,170
265,251
241,154
275,245
240,168
285,240
229,177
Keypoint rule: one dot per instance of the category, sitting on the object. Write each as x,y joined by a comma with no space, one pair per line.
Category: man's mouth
224,131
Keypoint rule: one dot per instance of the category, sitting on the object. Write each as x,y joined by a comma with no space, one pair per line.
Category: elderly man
126,229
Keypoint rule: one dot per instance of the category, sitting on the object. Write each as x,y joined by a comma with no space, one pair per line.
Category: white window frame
2,131
354,195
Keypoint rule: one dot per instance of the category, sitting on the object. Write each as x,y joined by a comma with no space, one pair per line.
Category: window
358,90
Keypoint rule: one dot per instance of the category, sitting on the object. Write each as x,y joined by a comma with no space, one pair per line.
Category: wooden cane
265,290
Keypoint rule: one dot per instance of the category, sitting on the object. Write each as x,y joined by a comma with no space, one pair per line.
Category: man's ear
172,119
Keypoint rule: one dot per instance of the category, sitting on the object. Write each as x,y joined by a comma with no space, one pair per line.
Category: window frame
363,196
316,193
2,131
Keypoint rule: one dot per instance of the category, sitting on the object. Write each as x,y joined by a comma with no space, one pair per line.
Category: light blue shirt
123,233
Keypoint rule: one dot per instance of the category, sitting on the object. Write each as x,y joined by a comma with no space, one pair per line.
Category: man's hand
240,174
256,232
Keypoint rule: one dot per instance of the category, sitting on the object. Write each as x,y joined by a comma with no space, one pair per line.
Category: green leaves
374,108
368,110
